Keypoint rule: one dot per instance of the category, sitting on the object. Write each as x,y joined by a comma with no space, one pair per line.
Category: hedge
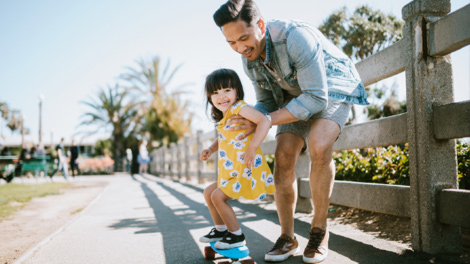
390,165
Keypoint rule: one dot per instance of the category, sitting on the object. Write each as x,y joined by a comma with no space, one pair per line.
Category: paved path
155,220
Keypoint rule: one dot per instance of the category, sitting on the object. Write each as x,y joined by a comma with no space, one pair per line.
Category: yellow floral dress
234,178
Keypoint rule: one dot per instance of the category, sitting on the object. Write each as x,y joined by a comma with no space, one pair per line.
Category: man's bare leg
288,147
322,136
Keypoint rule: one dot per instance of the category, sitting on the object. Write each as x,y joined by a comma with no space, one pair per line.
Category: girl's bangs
218,82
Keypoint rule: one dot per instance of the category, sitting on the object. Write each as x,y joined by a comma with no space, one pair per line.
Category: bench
37,164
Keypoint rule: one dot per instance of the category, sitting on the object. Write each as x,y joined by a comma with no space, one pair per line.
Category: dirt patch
42,216
389,227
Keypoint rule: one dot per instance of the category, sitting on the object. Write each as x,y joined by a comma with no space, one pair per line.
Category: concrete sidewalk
156,220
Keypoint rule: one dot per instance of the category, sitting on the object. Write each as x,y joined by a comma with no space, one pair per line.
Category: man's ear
262,25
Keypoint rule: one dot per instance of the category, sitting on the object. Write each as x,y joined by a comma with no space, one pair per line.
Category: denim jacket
315,70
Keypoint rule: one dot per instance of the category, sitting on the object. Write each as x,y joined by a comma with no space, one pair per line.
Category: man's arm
263,124
307,57
265,103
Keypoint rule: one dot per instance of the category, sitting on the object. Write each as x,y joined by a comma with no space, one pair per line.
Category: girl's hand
249,158
205,154
242,123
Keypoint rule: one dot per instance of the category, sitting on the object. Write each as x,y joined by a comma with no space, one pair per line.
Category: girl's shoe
230,241
213,236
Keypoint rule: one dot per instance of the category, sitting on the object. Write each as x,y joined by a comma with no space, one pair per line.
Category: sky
68,50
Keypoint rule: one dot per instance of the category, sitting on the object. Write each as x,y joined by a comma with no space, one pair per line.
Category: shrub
381,165
96,166
390,165
463,161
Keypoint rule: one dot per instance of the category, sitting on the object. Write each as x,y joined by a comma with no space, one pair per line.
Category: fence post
173,169
179,160
187,158
152,156
198,152
163,161
302,170
433,163
159,161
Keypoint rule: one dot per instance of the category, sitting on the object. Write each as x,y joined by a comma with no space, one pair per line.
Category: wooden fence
432,123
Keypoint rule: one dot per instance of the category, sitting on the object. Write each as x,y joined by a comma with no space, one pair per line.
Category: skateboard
234,254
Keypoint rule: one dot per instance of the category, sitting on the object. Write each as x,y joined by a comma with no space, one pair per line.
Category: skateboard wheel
209,253
248,261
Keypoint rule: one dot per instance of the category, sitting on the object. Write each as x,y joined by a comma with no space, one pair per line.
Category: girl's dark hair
247,10
217,80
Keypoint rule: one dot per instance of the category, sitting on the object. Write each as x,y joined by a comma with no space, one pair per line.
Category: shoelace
280,243
315,240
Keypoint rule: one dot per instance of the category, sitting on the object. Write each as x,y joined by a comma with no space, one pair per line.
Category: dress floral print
235,179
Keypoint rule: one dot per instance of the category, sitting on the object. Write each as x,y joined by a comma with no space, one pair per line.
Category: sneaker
317,247
282,249
213,236
230,241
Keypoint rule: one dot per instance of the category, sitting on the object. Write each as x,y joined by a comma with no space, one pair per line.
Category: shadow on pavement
180,247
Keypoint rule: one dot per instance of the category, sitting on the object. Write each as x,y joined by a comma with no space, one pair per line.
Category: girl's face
224,98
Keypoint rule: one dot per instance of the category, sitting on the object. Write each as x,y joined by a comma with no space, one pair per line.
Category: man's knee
320,151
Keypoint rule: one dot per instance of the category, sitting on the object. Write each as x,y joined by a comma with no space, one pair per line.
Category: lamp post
52,139
41,98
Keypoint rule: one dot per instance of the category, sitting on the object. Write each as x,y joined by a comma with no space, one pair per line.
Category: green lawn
14,196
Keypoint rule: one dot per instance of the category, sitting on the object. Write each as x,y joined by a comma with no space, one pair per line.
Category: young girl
242,169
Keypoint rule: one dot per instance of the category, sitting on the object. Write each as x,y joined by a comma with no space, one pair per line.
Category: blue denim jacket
315,70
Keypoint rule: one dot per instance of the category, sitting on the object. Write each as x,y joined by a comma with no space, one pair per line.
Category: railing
433,201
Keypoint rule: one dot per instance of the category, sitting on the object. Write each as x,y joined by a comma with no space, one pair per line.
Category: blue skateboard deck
232,253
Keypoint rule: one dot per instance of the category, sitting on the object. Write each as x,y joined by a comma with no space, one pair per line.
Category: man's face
249,41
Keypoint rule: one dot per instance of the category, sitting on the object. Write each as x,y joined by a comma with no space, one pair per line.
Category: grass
14,196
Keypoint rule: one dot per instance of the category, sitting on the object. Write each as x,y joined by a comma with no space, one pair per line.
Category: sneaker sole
229,246
209,240
277,258
313,260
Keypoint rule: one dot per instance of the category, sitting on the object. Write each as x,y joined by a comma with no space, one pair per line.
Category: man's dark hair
246,10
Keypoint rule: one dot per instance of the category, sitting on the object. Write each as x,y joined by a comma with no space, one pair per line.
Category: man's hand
205,154
242,124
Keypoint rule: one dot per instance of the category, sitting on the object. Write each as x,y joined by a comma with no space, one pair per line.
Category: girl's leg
207,196
225,211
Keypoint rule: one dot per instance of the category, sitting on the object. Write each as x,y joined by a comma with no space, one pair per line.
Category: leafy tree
112,111
361,34
167,118
14,122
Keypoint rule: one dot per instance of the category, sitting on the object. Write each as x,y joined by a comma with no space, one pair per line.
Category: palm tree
167,118
113,111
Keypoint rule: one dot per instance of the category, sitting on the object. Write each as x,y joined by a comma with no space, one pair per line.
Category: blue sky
67,50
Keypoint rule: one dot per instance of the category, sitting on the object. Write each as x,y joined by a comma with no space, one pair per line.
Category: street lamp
41,98
52,138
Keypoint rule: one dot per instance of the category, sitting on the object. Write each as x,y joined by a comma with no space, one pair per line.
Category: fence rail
433,201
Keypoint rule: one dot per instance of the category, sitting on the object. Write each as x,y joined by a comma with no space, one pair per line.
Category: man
61,160
307,86
74,153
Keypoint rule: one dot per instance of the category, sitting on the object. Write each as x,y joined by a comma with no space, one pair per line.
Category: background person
61,160
74,153
143,157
